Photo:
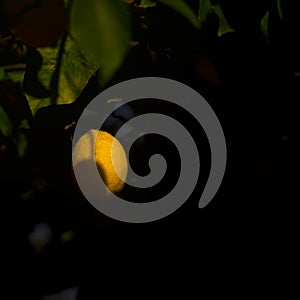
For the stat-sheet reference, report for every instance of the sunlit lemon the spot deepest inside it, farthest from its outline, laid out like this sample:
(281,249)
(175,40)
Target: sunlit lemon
(108,154)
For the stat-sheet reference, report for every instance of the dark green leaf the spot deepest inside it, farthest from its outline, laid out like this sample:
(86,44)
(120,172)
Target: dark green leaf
(24,125)
(67,236)
(102,30)
(264,26)
(2,74)
(184,9)
(224,26)
(279,7)
(21,142)
(205,8)
(5,123)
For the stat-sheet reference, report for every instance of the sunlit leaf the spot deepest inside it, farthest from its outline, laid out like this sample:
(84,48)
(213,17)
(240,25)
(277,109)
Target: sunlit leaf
(102,30)
(5,123)
(16,76)
(184,9)
(75,71)
(74,74)
(38,25)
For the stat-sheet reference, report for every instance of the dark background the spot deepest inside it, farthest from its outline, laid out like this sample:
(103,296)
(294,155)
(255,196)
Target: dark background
(252,87)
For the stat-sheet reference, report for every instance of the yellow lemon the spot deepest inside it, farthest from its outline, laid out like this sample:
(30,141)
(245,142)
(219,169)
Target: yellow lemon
(108,154)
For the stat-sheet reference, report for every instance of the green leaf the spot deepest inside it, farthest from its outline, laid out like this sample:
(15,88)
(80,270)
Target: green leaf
(224,26)
(24,125)
(147,3)
(102,30)
(75,71)
(74,74)
(21,142)
(205,8)
(2,74)
(16,76)
(67,236)
(184,9)
(264,26)
(279,8)
(6,125)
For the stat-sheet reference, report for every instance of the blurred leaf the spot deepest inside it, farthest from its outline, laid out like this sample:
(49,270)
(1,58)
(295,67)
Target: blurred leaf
(184,9)
(26,196)
(264,26)
(102,30)
(205,8)
(67,236)
(5,123)
(16,76)
(147,3)
(224,26)
(2,74)
(21,142)
(24,125)
(279,7)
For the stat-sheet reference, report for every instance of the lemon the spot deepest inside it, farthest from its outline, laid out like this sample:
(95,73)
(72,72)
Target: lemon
(108,154)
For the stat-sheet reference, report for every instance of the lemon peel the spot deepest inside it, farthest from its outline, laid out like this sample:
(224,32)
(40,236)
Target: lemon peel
(108,154)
